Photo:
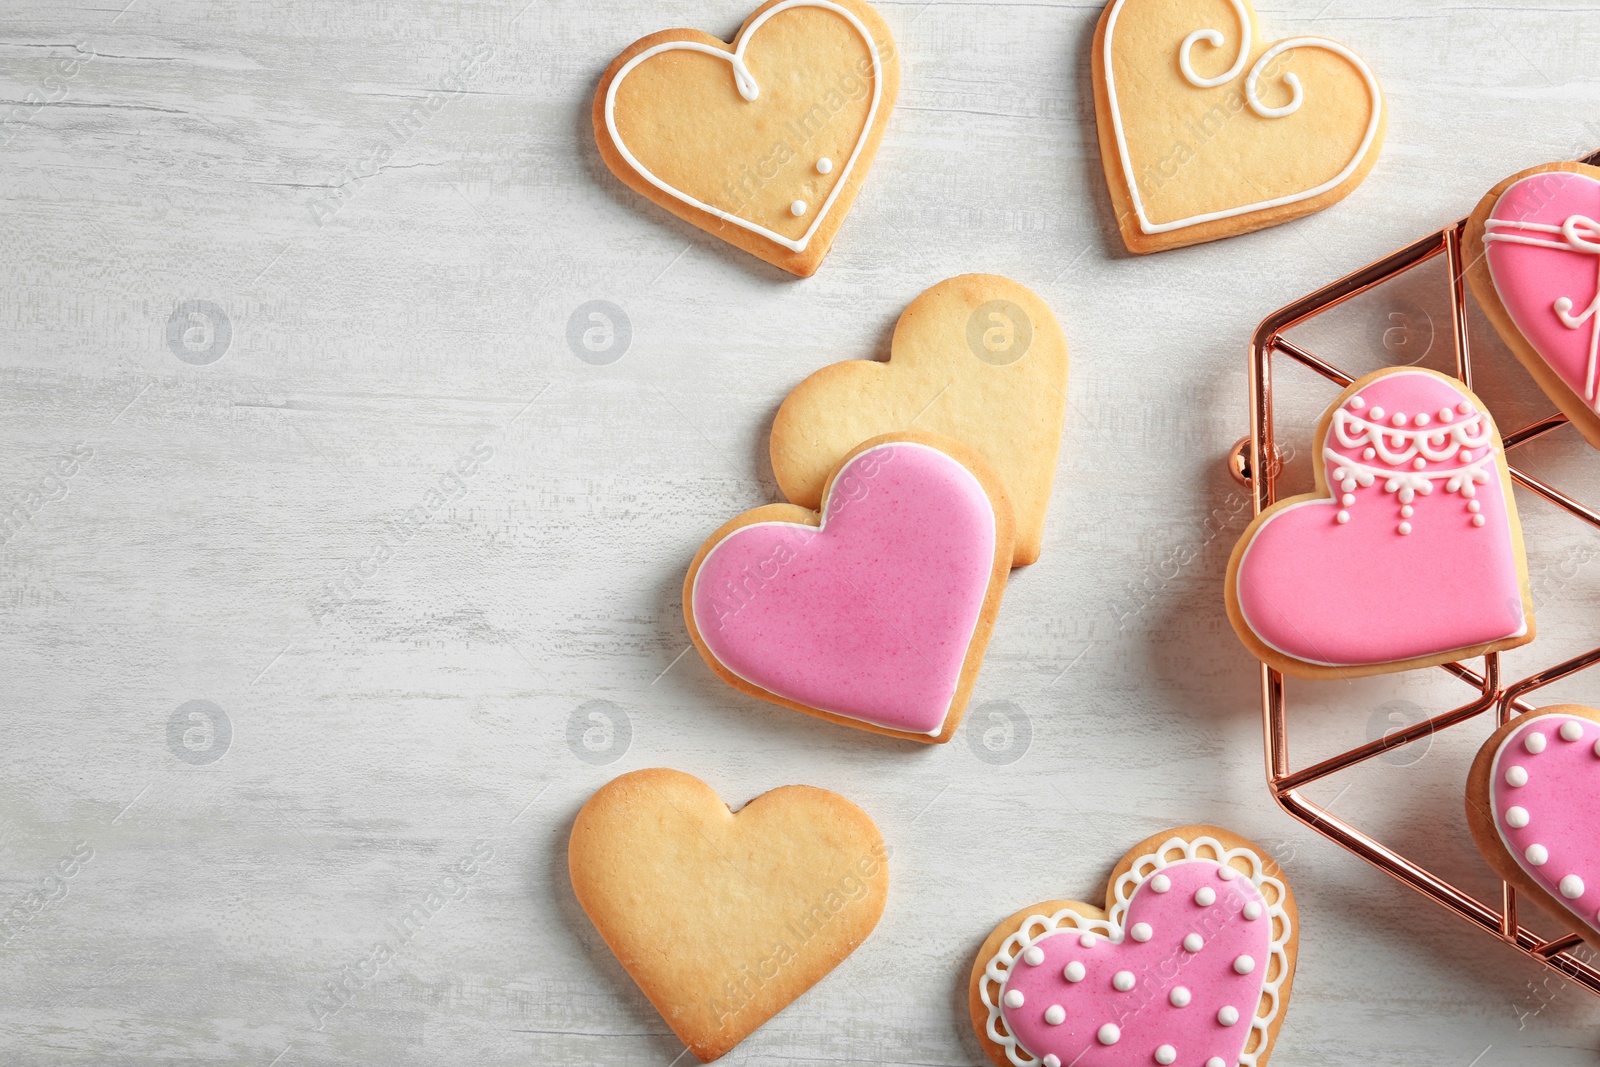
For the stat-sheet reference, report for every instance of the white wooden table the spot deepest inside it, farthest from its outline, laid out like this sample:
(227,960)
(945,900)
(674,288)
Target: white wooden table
(334,471)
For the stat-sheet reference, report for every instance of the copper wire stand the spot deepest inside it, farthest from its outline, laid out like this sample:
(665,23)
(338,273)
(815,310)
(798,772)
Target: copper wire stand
(1259,452)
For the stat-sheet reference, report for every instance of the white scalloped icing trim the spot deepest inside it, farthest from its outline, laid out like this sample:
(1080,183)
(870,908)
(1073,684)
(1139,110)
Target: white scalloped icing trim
(1036,928)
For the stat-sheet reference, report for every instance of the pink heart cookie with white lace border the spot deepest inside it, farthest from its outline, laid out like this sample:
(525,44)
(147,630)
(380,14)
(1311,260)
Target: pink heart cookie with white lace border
(1534,249)
(874,612)
(1533,802)
(1409,553)
(1190,962)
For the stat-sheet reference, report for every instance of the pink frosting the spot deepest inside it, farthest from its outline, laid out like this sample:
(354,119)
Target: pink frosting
(1558,805)
(871,615)
(1557,266)
(1148,1016)
(1382,585)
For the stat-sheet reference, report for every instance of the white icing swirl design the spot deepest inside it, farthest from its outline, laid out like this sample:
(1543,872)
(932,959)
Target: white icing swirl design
(1297,97)
(1577,233)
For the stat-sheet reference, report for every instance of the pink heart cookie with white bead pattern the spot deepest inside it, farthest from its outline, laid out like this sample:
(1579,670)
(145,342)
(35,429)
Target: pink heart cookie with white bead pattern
(1190,962)
(1409,553)
(1533,802)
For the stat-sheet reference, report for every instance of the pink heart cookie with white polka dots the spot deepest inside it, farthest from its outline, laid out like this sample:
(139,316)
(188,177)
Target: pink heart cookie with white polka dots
(1190,962)
(1533,802)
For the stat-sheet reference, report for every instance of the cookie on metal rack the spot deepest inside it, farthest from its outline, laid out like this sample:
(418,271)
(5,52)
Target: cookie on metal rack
(1191,961)
(765,142)
(1533,802)
(1533,249)
(725,918)
(1409,552)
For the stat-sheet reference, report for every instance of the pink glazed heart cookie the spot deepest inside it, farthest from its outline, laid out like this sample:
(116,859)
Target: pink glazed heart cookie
(874,612)
(1409,553)
(1534,246)
(1191,962)
(1533,803)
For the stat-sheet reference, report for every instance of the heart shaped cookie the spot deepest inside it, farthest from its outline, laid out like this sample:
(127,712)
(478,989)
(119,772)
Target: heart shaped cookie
(874,613)
(764,142)
(1206,131)
(1534,249)
(1533,802)
(724,919)
(979,358)
(1190,962)
(1408,554)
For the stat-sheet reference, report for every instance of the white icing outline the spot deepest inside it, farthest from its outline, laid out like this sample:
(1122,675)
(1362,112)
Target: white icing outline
(1215,38)
(827,506)
(748,88)
(1332,500)
(1571,241)
(1133,879)
(1496,783)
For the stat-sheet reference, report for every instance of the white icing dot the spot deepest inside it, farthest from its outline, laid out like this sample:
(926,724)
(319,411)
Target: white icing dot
(1228,1015)
(1572,887)
(1342,518)
(1477,520)
(1226,873)
(1377,413)
(1073,972)
(1013,998)
(1051,1060)
(1572,730)
(1537,855)
(1244,965)
(1446,415)
(1141,932)
(1465,456)
(1193,943)
(1464,407)
(1422,420)
(797,208)
(1518,776)
(1516,817)
(1055,1015)
(1216,1061)
(1109,1034)
(1356,403)
(1166,1054)
(1179,997)
(1407,511)
(1404,528)
(1033,955)
(1534,743)
(1419,464)
(1205,896)
(1087,940)
(1474,507)
(1347,499)
(1123,981)
(1160,884)
(1399,419)
(1348,484)
(1252,910)
(824,165)
(1368,453)
(1597,748)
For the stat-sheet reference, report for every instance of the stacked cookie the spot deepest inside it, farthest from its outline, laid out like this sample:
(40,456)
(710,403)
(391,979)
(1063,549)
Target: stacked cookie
(914,486)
